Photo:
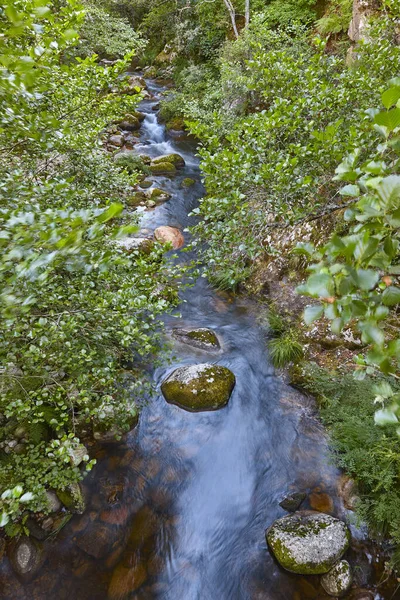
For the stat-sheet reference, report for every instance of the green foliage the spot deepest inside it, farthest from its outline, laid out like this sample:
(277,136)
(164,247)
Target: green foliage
(74,306)
(355,276)
(368,453)
(282,13)
(336,18)
(285,349)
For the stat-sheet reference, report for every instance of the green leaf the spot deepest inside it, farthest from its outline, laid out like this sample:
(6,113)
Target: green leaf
(320,284)
(390,97)
(372,333)
(385,416)
(312,313)
(351,190)
(112,211)
(388,190)
(391,296)
(366,279)
(389,119)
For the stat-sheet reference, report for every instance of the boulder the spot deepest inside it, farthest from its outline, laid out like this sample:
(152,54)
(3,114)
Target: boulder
(26,557)
(144,185)
(159,196)
(162,168)
(98,540)
(139,115)
(72,498)
(338,580)
(129,123)
(125,580)
(53,502)
(308,542)
(292,502)
(136,199)
(202,338)
(169,235)
(188,182)
(116,140)
(175,159)
(200,387)
(140,245)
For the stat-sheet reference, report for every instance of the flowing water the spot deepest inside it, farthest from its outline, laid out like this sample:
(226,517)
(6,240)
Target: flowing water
(178,510)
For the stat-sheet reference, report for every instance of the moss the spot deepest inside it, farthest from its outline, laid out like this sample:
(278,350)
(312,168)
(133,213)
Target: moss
(72,498)
(188,182)
(174,159)
(162,168)
(199,387)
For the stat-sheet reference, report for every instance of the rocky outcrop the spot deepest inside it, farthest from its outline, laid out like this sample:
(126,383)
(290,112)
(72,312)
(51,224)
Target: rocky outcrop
(175,159)
(308,542)
(202,338)
(169,235)
(338,580)
(200,387)
(293,501)
(129,123)
(362,12)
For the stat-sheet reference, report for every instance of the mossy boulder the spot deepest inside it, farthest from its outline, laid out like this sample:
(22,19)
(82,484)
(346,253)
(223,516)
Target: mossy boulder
(202,338)
(159,196)
(72,498)
(308,542)
(188,182)
(338,580)
(129,123)
(136,199)
(176,124)
(162,168)
(174,159)
(200,387)
(26,557)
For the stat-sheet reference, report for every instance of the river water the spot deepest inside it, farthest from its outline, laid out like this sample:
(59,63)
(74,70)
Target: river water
(178,510)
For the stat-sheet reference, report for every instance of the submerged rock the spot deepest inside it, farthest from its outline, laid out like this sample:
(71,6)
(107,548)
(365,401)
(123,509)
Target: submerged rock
(26,557)
(188,182)
(199,387)
(308,542)
(202,338)
(72,498)
(293,501)
(169,235)
(174,159)
(162,168)
(158,195)
(125,580)
(338,580)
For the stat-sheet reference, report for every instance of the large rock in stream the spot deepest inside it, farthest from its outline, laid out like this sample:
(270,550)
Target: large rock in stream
(26,557)
(308,542)
(202,338)
(200,387)
(339,579)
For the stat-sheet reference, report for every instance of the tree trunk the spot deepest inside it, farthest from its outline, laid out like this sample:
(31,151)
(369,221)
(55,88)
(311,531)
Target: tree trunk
(247,12)
(232,14)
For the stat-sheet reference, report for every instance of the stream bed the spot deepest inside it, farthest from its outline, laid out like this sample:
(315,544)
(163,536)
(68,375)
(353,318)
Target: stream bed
(178,509)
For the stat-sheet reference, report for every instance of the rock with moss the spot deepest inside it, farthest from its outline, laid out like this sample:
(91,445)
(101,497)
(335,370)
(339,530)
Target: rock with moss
(175,159)
(129,123)
(26,557)
(72,498)
(176,124)
(158,196)
(308,542)
(338,580)
(136,199)
(188,182)
(162,168)
(202,338)
(201,387)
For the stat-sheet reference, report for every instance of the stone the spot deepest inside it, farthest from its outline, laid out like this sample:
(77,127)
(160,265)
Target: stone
(136,199)
(308,542)
(139,245)
(338,580)
(159,196)
(97,540)
(26,557)
(72,498)
(77,454)
(169,235)
(348,492)
(144,185)
(321,502)
(175,159)
(292,502)
(188,182)
(129,123)
(358,29)
(200,387)
(139,115)
(52,501)
(125,580)
(116,140)
(202,338)
(162,168)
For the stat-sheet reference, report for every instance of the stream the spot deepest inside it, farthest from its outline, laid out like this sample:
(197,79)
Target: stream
(178,509)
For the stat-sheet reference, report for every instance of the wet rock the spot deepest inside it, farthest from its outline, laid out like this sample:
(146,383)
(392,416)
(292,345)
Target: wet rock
(307,542)
(136,199)
(139,115)
(202,338)
(348,492)
(361,594)
(175,159)
(72,498)
(144,185)
(162,168)
(77,454)
(116,140)
(2,548)
(43,527)
(159,196)
(199,387)
(126,580)
(169,235)
(292,502)
(97,540)
(26,557)
(117,515)
(321,502)
(188,182)
(338,580)
(135,85)
(129,123)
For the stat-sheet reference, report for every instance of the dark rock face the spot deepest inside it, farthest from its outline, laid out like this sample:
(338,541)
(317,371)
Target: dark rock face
(200,387)
(308,542)
(26,557)
(292,502)
(202,338)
